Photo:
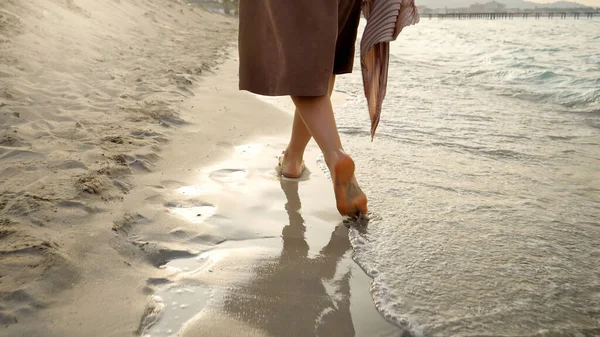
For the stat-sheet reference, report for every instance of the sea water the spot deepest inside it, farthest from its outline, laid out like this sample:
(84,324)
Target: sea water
(483,178)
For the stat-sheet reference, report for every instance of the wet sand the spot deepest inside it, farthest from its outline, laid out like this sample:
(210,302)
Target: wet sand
(132,171)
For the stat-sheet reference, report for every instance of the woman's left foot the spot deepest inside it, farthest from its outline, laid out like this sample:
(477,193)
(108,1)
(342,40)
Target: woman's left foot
(291,167)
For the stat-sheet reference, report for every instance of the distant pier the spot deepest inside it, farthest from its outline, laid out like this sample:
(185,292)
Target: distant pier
(512,15)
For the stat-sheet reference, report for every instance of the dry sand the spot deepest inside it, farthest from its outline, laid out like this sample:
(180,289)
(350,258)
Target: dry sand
(89,92)
(129,176)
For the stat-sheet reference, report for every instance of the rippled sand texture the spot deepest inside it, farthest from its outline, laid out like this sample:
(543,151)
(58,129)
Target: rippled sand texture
(484,179)
(90,91)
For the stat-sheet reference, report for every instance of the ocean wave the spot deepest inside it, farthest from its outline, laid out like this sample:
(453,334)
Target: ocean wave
(476,73)
(524,65)
(548,50)
(536,84)
(581,100)
(546,75)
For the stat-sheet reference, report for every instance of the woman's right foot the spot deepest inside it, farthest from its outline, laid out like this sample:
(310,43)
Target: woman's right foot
(350,199)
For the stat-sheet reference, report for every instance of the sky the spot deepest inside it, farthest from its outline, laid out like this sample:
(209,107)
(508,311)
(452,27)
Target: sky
(585,2)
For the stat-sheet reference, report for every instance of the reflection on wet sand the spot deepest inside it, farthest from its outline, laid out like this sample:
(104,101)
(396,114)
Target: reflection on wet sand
(287,296)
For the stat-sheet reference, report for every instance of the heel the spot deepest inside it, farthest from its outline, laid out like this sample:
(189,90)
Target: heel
(344,170)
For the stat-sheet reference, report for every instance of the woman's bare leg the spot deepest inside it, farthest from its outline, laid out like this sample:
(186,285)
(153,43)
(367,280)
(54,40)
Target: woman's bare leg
(291,165)
(317,114)
(293,156)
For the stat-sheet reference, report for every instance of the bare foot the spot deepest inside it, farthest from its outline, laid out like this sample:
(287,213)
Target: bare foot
(291,167)
(351,200)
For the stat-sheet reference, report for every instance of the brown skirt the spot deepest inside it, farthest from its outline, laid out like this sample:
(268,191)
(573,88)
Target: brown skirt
(292,47)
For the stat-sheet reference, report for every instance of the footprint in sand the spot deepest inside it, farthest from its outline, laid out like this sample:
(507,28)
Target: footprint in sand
(228,175)
(195,214)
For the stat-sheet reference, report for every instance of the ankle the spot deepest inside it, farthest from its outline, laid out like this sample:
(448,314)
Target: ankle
(293,154)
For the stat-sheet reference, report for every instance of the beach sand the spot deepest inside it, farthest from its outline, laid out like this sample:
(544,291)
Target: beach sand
(90,92)
(132,172)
